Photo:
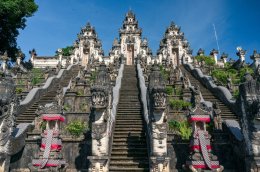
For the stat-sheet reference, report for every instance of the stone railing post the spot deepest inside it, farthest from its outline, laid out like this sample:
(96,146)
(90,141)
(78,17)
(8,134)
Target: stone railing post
(159,160)
(101,101)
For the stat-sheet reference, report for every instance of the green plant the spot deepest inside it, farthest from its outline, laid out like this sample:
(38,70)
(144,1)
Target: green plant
(80,93)
(18,90)
(37,74)
(178,91)
(173,125)
(169,90)
(179,104)
(209,61)
(220,75)
(182,128)
(77,127)
(185,130)
(66,107)
(164,73)
(236,94)
(93,76)
(43,125)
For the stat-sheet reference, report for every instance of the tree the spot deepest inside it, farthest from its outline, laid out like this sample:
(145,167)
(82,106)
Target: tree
(13,14)
(65,51)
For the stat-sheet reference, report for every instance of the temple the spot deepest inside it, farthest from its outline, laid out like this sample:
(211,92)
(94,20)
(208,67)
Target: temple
(131,110)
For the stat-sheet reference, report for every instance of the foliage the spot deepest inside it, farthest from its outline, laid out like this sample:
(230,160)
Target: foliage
(236,76)
(243,71)
(66,107)
(183,128)
(65,51)
(236,94)
(13,14)
(210,127)
(43,125)
(179,104)
(80,93)
(209,61)
(173,125)
(164,73)
(178,91)
(37,74)
(93,76)
(77,127)
(20,82)
(220,75)
(18,90)
(169,90)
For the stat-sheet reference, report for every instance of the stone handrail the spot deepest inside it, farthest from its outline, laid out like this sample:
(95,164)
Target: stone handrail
(219,91)
(116,93)
(143,89)
(36,93)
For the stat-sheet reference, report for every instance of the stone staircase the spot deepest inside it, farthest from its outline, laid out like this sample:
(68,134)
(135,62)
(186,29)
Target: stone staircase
(29,115)
(208,96)
(129,148)
(220,139)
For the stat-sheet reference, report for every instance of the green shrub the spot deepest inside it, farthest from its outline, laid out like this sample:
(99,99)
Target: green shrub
(80,93)
(173,125)
(178,91)
(185,130)
(18,90)
(36,75)
(179,104)
(77,127)
(209,61)
(169,90)
(220,75)
(243,71)
(182,128)
(66,107)
(93,76)
(236,94)
(43,125)
(164,73)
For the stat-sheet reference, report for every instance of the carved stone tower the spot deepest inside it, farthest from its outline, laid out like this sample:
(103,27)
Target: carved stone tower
(130,38)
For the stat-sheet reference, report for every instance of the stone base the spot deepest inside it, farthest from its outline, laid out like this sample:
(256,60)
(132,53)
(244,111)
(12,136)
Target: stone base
(98,163)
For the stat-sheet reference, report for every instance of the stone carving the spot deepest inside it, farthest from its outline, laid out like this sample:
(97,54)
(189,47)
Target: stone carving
(185,81)
(12,139)
(196,95)
(101,100)
(250,107)
(158,116)
(217,116)
(201,157)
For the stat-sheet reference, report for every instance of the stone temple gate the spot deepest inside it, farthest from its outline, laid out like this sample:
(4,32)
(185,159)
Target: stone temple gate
(128,111)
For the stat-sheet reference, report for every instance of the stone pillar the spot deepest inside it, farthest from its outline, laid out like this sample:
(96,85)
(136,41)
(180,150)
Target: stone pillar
(241,53)
(158,121)
(101,100)
(214,54)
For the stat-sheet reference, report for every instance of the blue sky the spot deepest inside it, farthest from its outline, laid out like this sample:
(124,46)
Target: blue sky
(57,22)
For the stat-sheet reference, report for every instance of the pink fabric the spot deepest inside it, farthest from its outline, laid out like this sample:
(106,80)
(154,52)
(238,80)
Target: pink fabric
(192,119)
(53,147)
(197,147)
(205,167)
(53,117)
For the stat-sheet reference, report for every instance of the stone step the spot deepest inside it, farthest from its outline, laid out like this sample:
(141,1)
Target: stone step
(127,153)
(128,162)
(125,169)
(127,129)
